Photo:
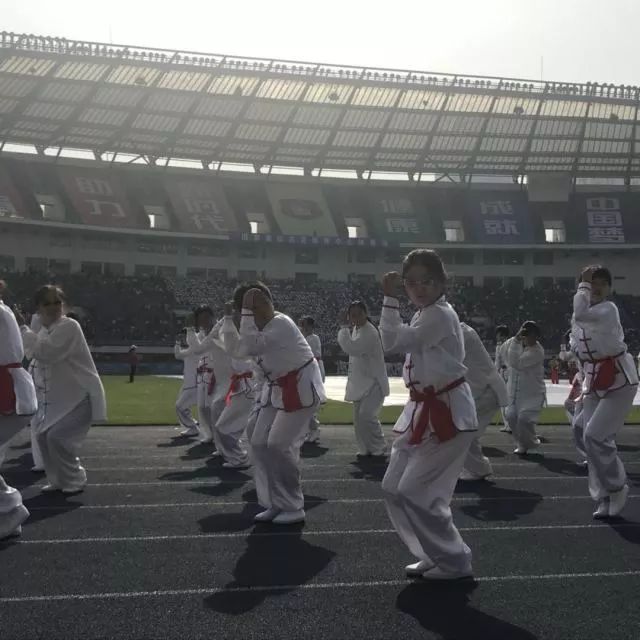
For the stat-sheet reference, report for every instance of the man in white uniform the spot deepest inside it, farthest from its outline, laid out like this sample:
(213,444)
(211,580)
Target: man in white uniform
(188,395)
(609,387)
(367,382)
(502,335)
(17,404)
(527,391)
(489,394)
(307,326)
(290,395)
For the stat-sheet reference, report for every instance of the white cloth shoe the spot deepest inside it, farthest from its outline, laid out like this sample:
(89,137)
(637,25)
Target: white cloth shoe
(266,516)
(436,573)
(232,465)
(189,433)
(602,511)
(289,517)
(312,437)
(12,524)
(519,451)
(505,430)
(50,488)
(418,568)
(36,469)
(617,501)
(470,476)
(205,440)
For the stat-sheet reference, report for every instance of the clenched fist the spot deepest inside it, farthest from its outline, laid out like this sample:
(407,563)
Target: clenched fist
(391,284)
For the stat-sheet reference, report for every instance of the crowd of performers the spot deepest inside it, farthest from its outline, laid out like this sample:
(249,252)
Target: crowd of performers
(257,380)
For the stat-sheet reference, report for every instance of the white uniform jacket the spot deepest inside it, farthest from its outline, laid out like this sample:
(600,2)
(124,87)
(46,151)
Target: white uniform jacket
(363,345)
(525,382)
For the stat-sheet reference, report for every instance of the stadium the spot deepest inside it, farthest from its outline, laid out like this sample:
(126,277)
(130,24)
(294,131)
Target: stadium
(146,182)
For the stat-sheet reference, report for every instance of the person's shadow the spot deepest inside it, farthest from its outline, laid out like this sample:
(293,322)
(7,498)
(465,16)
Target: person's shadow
(312,450)
(626,529)
(497,503)
(271,565)
(445,609)
(370,468)
(561,466)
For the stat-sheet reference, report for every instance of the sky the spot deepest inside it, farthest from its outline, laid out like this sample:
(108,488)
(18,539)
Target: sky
(562,40)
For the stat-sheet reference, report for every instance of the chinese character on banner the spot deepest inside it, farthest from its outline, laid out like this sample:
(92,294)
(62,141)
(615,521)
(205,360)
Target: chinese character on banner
(603,204)
(402,225)
(205,212)
(244,236)
(501,228)
(303,239)
(105,208)
(604,218)
(496,208)
(606,234)
(94,186)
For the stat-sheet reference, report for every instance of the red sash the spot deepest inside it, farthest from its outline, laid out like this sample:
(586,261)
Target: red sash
(212,381)
(435,411)
(289,385)
(606,375)
(576,390)
(235,384)
(7,392)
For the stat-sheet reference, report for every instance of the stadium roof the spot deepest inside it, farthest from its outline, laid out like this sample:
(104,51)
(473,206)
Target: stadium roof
(158,104)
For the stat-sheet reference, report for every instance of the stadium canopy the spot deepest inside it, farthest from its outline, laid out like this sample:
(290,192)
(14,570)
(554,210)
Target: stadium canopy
(154,105)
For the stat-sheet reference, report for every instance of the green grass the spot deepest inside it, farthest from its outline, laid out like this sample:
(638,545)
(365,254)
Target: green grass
(151,400)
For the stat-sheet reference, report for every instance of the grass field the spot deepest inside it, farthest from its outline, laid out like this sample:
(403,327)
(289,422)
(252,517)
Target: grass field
(150,400)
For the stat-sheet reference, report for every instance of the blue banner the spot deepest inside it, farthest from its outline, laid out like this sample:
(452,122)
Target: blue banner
(313,241)
(605,218)
(498,217)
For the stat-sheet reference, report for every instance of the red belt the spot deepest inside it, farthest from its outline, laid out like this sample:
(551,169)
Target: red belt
(7,391)
(212,380)
(434,411)
(289,385)
(235,384)
(606,375)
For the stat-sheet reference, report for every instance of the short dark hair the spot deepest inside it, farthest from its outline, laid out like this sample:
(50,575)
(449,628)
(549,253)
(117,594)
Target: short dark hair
(360,304)
(602,273)
(199,310)
(308,321)
(502,330)
(531,328)
(427,258)
(240,290)
(41,293)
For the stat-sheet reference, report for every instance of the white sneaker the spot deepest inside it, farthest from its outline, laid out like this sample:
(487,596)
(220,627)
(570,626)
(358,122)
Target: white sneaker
(519,450)
(266,516)
(205,440)
(50,488)
(312,437)
(537,442)
(505,430)
(602,511)
(13,522)
(418,568)
(436,573)
(289,517)
(189,433)
(617,501)
(470,477)
(216,454)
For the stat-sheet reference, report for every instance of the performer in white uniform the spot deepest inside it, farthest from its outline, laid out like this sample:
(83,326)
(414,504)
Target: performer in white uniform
(489,393)
(502,335)
(291,394)
(17,404)
(188,395)
(527,391)
(70,393)
(36,454)
(307,325)
(573,402)
(609,387)
(437,425)
(214,370)
(367,383)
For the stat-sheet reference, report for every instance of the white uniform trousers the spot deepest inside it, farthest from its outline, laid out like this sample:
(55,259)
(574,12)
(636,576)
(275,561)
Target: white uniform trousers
(231,425)
(314,425)
(36,454)
(522,423)
(187,398)
(12,512)
(60,444)
(366,421)
(577,427)
(275,448)
(210,408)
(486,406)
(418,487)
(602,419)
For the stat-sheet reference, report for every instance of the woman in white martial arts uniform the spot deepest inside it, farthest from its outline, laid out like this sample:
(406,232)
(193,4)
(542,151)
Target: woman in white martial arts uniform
(17,404)
(291,394)
(36,454)
(367,382)
(436,426)
(307,325)
(70,393)
(489,393)
(214,370)
(502,335)
(609,387)
(527,391)
(188,395)
(573,402)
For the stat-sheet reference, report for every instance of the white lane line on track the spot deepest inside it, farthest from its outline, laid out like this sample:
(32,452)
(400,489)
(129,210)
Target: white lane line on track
(300,587)
(297,532)
(241,503)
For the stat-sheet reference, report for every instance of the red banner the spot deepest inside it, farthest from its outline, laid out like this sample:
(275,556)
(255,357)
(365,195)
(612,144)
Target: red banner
(201,205)
(98,197)
(12,206)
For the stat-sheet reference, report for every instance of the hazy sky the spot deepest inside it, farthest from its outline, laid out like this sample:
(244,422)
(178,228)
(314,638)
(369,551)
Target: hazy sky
(580,40)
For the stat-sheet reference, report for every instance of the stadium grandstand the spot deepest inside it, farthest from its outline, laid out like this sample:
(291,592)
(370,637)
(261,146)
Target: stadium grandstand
(147,181)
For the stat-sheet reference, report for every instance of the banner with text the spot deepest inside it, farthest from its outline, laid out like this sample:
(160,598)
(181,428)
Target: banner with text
(498,217)
(12,206)
(605,218)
